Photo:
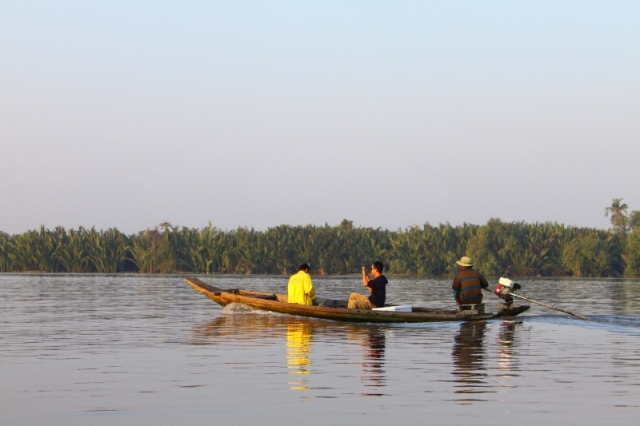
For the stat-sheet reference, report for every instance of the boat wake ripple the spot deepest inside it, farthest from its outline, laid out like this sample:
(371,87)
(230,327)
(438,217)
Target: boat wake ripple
(239,308)
(628,324)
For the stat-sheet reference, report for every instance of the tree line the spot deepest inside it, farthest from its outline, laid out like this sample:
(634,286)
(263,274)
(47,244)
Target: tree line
(498,248)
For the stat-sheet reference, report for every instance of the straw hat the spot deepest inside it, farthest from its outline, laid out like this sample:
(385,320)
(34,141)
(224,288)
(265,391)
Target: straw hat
(464,261)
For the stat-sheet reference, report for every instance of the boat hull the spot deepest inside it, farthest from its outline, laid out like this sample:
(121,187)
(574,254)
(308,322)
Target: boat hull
(278,303)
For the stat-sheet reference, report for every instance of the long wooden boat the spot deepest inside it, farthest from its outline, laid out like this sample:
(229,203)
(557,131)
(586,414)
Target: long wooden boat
(337,310)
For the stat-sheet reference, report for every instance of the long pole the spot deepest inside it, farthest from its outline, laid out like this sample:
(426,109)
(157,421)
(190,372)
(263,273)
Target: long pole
(546,306)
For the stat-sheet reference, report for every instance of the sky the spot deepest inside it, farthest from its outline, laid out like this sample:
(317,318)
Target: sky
(126,114)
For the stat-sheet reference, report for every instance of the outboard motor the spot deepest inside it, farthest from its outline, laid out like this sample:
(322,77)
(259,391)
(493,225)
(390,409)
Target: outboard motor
(504,289)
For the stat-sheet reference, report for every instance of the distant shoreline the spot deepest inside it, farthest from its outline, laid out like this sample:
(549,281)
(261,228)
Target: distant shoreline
(498,248)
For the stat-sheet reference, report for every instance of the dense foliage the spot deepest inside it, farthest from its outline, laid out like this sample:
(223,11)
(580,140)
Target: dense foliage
(498,248)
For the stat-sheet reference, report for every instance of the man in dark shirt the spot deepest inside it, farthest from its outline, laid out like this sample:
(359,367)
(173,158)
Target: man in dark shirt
(376,286)
(468,284)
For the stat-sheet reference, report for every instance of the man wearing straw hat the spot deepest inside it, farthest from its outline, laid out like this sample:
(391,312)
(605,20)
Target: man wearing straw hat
(468,284)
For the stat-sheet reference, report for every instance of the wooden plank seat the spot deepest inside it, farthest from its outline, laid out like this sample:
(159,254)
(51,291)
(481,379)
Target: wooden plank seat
(477,308)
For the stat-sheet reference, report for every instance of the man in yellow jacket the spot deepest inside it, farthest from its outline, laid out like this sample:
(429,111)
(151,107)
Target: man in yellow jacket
(300,287)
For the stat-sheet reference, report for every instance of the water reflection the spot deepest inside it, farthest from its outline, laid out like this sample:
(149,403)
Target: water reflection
(373,348)
(298,347)
(251,329)
(505,343)
(238,327)
(255,328)
(468,357)
(373,343)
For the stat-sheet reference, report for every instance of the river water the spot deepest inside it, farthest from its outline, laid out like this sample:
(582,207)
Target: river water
(150,350)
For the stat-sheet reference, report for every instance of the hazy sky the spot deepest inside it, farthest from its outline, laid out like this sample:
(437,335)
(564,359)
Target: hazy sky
(259,113)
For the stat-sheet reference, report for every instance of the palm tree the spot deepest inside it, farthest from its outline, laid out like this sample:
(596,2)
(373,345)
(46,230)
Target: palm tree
(73,254)
(107,251)
(166,226)
(618,212)
(144,250)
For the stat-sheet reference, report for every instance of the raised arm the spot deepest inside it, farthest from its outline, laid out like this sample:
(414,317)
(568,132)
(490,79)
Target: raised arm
(365,278)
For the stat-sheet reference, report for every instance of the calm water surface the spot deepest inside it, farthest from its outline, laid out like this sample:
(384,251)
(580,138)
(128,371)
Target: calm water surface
(149,350)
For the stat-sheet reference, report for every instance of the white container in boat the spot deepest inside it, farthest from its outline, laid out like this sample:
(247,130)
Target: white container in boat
(401,308)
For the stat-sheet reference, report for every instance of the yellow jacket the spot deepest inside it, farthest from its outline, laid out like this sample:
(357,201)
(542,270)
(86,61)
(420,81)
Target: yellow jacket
(301,289)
